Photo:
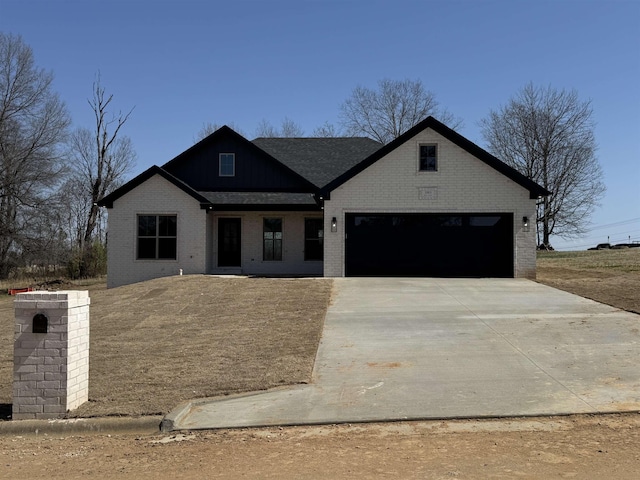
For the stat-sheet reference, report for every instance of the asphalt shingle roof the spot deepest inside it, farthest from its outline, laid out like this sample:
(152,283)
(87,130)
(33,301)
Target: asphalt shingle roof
(326,163)
(319,160)
(259,198)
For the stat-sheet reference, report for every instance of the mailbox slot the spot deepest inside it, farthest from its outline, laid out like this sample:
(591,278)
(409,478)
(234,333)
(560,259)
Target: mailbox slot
(40,323)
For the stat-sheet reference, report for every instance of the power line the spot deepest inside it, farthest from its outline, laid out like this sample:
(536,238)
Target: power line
(613,241)
(593,240)
(615,224)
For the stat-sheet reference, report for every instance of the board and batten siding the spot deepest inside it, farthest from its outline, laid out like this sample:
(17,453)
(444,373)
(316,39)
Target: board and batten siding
(156,196)
(462,184)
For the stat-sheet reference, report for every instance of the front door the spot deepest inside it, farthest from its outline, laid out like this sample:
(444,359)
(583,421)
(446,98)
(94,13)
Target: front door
(229,242)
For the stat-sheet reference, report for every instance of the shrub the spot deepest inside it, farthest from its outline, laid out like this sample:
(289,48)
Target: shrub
(90,262)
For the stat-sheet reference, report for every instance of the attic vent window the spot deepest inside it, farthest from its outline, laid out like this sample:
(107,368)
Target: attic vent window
(428,158)
(227,164)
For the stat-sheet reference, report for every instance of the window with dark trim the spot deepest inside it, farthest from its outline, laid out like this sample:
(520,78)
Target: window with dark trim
(271,239)
(157,236)
(227,164)
(313,238)
(428,158)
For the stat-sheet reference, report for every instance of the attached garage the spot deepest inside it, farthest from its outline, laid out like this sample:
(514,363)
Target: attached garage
(429,244)
(431,203)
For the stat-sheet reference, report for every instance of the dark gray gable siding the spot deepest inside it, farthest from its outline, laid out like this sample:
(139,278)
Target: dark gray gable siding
(255,170)
(319,160)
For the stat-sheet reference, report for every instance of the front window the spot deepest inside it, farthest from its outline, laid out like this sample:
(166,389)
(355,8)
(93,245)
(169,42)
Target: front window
(428,158)
(227,164)
(313,238)
(157,236)
(272,239)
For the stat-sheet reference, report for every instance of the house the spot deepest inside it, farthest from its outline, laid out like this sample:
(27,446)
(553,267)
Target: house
(430,203)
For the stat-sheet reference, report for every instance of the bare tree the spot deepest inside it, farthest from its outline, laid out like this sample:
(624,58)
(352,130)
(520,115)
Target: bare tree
(101,159)
(547,135)
(288,129)
(43,244)
(208,128)
(327,130)
(265,129)
(386,113)
(33,126)
(76,205)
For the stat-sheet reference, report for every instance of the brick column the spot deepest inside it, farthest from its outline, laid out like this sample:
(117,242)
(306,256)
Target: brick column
(51,353)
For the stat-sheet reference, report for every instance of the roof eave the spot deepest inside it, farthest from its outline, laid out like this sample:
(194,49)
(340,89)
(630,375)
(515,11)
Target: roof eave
(264,207)
(143,177)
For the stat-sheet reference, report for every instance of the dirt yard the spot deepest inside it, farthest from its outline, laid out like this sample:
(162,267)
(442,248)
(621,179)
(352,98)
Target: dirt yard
(561,447)
(129,327)
(607,276)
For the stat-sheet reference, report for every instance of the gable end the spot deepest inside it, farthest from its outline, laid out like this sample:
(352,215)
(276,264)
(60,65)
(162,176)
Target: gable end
(254,169)
(143,177)
(535,190)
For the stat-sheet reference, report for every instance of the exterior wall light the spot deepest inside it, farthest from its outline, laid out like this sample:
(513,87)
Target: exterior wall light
(525,224)
(334,224)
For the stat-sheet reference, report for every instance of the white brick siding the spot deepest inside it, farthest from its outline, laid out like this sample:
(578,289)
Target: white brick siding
(50,370)
(197,237)
(160,197)
(462,184)
(293,262)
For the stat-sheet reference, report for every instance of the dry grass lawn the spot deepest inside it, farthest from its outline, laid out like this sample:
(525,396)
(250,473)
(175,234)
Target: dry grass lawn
(607,276)
(158,343)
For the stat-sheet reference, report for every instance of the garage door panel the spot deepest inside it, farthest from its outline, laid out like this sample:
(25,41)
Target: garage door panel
(440,245)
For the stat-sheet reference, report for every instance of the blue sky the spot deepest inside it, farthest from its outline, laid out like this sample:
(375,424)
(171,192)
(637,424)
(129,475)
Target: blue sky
(185,63)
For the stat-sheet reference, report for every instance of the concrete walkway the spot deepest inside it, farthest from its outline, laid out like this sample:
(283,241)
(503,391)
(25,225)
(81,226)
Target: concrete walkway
(397,349)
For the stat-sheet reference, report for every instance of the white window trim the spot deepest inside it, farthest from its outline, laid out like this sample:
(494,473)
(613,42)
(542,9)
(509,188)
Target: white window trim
(233,155)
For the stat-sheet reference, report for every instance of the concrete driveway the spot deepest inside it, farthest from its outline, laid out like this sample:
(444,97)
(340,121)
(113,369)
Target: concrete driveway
(396,349)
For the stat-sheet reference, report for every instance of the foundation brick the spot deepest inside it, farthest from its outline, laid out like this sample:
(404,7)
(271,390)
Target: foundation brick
(32,360)
(25,416)
(47,384)
(51,368)
(30,344)
(58,409)
(27,392)
(54,344)
(30,409)
(24,369)
(54,392)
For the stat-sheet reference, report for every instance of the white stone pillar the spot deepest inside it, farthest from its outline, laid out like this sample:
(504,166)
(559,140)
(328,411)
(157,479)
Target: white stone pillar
(50,354)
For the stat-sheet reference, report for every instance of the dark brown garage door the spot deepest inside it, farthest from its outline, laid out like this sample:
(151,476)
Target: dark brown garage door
(431,245)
